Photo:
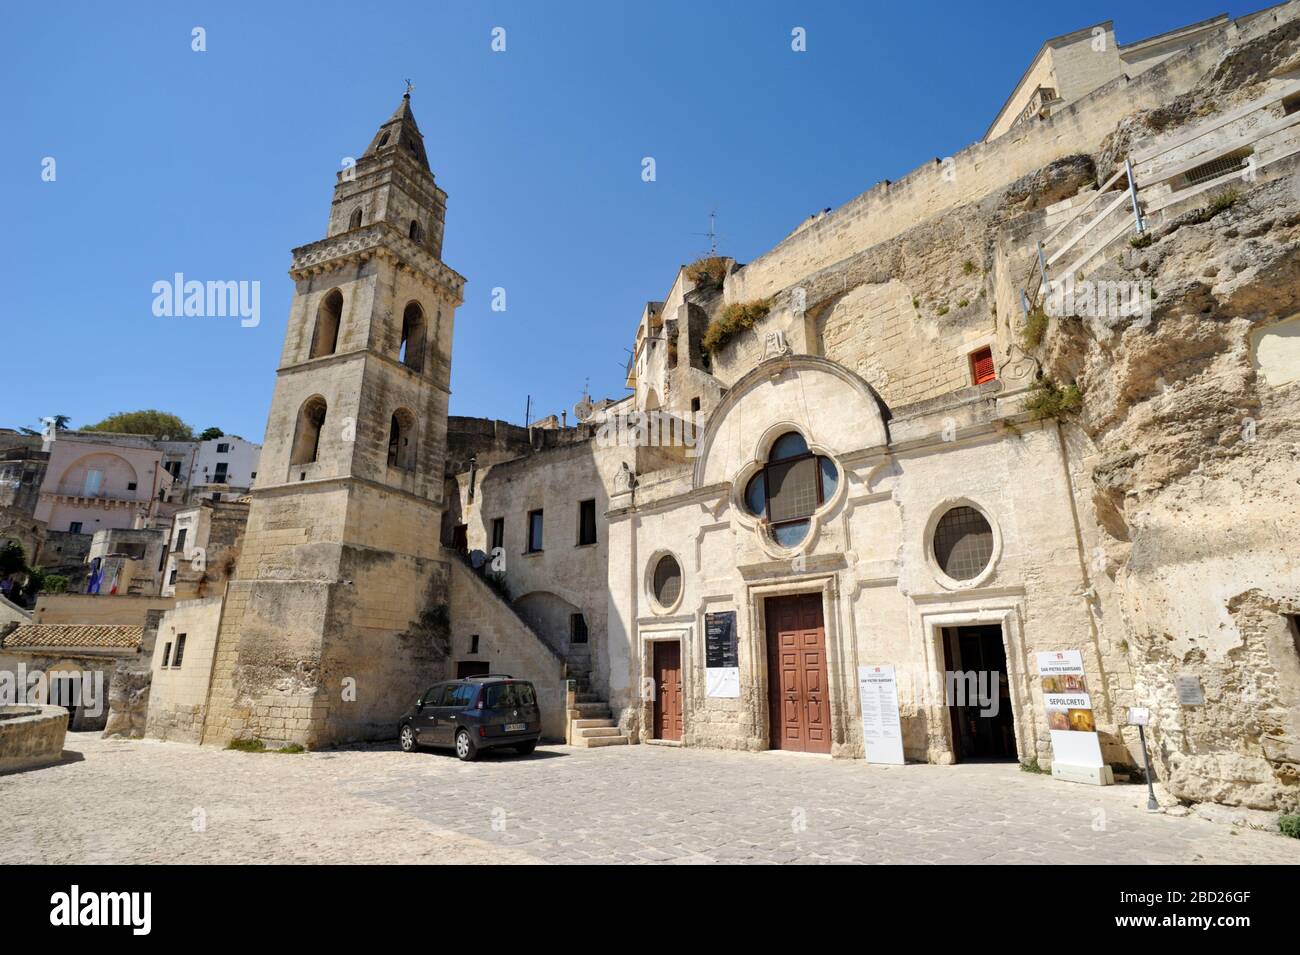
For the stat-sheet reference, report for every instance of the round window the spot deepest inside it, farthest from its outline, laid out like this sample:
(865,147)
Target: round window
(792,484)
(963,543)
(667,583)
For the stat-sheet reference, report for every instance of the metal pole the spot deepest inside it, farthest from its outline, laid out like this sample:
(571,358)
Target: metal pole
(1133,196)
(1042,265)
(1152,804)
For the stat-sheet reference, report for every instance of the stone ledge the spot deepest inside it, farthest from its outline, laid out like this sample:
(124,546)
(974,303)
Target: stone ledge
(31,736)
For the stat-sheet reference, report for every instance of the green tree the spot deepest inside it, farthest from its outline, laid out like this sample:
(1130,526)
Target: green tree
(210,433)
(60,422)
(53,584)
(157,424)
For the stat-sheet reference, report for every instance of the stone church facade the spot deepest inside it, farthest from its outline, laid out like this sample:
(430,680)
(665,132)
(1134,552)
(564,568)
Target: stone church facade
(877,444)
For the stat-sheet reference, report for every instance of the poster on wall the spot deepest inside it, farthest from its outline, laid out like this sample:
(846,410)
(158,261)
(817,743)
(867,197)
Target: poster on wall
(882,731)
(1076,749)
(721,655)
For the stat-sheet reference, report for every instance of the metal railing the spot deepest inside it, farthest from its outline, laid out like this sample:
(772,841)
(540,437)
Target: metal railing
(1118,209)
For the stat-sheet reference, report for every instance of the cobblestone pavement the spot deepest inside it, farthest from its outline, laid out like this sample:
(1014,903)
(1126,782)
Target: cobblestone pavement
(136,801)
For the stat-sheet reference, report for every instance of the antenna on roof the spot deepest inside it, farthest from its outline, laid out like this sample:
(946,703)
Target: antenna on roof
(712,233)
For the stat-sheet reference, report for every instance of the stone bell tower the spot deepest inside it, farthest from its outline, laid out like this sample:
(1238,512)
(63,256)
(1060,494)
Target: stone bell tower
(336,616)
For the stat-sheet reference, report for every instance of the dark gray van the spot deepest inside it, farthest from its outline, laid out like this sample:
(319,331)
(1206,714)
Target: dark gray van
(474,714)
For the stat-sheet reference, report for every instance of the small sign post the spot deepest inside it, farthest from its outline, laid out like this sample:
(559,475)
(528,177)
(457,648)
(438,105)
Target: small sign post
(1140,716)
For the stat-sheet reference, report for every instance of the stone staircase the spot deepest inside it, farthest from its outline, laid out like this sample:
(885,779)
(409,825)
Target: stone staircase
(590,722)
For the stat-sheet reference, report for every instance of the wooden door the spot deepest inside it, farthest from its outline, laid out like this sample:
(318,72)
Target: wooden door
(798,701)
(668,689)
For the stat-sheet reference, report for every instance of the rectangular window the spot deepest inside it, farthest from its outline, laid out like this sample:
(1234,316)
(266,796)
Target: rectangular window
(167,655)
(586,522)
(130,486)
(220,476)
(74,527)
(981,366)
(695,404)
(577,628)
(534,531)
(792,489)
(180,651)
(473,643)
(171,578)
(93,481)
(223,449)
(498,532)
(180,540)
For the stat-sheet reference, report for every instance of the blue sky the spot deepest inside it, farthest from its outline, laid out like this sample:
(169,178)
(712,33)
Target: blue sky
(216,164)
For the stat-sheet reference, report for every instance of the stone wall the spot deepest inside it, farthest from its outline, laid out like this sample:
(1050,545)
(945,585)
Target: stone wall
(31,736)
(177,695)
(506,644)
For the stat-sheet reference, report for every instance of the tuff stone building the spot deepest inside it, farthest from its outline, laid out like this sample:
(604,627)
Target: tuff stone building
(889,443)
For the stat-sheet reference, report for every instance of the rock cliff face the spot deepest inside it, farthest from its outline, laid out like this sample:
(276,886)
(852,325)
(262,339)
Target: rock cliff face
(1194,413)
(128,700)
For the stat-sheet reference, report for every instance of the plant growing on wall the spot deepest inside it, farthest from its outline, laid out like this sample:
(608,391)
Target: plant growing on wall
(1031,335)
(734,318)
(1050,400)
(708,272)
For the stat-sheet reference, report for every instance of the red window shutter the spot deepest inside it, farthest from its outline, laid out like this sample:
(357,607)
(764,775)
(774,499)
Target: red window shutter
(981,366)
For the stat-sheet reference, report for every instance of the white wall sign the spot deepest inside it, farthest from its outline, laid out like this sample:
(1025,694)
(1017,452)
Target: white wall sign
(881,730)
(722,681)
(1139,716)
(721,655)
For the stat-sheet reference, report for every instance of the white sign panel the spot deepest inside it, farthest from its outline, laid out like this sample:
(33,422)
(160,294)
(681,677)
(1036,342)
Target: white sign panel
(881,731)
(1069,709)
(722,681)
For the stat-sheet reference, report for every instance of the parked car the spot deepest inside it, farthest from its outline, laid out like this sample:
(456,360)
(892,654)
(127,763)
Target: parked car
(477,713)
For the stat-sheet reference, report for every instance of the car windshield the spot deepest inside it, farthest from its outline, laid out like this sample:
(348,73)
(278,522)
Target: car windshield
(505,695)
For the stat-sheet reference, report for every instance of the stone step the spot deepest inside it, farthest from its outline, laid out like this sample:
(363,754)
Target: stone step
(582,723)
(587,698)
(591,732)
(605,741)
(598,710)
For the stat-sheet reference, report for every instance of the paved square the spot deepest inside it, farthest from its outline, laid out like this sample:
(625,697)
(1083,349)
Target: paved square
(143,801)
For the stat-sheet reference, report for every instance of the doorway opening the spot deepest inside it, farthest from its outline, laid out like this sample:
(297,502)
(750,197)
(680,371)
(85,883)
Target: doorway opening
(798,702)
(468,668)
(978,694)
(668,690)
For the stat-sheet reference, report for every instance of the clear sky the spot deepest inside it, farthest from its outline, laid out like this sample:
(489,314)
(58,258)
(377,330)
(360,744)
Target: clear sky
(216,164)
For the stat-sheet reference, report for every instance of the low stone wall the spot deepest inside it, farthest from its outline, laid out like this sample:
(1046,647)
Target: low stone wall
(31,736)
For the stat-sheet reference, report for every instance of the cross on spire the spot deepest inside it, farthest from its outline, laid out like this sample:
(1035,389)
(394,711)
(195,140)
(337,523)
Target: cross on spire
(409,86)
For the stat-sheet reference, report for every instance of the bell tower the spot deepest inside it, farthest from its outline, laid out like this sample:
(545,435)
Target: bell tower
(336,616)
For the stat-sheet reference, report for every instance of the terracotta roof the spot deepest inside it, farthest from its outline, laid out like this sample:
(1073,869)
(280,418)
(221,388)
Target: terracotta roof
(66,635)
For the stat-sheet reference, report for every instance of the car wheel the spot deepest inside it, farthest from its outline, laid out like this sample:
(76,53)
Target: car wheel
(465,748)
(523,749)
(406,739)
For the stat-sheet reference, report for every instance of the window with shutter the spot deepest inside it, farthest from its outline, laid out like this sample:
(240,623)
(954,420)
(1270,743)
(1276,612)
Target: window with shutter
(981,366)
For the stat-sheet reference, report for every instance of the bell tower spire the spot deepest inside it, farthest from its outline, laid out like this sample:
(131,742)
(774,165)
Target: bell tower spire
(391,181)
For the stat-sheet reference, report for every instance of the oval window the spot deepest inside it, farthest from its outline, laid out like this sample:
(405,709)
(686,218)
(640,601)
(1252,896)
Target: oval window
(963,543)
(667,583)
